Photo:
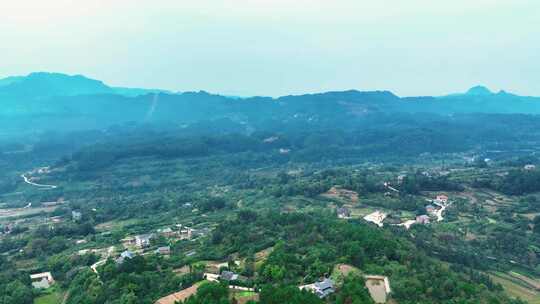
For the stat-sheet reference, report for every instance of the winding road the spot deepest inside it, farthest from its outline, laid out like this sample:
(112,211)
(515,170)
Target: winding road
(42,186)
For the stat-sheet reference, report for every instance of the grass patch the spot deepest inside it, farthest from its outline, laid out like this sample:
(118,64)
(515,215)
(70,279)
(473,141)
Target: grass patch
(52,298)
(243,294)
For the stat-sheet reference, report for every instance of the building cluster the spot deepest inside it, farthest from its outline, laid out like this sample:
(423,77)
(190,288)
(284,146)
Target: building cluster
(182,232)
(378,287)
(432,210)
(140,241)
(178,232)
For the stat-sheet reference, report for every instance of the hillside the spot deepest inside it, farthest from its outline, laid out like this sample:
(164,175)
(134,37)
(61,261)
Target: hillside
(58,102)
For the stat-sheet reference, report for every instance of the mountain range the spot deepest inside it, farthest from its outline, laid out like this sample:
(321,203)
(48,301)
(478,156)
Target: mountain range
(54,101)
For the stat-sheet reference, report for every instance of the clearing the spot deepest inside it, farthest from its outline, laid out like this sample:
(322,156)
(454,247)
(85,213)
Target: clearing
(52,298)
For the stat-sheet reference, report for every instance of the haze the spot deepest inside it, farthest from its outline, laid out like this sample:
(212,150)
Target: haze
(249,47)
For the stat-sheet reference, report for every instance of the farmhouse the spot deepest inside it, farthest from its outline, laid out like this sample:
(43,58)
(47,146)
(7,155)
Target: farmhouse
(42,280)
(228,276)
(143,240)
(322,289)
(125,255)
(185,232)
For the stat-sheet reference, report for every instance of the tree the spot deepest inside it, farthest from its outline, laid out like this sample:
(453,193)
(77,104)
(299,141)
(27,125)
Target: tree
(287,294)
(19,293)
(210,293)
(353,291)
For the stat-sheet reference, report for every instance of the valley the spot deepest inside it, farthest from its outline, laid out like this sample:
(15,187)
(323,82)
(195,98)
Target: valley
(443,211)
(326,198)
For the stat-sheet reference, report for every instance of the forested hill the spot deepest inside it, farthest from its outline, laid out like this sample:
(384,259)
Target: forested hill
(47,101)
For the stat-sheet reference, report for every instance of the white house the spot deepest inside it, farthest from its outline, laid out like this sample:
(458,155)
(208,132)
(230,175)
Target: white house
(42,280)
(143,240)
(529,167)
(125,255)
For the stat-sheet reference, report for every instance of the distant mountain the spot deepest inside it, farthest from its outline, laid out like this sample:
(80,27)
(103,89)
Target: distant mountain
(53,84)
(479,91)
(43,85)
(10,80)
(51,101)
(480,99)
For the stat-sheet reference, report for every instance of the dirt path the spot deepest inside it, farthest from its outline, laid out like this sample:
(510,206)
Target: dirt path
(180,296)
(66,296)
(439,213)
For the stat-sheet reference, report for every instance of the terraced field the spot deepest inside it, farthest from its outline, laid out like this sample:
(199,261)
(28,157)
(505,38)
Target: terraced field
(518,286)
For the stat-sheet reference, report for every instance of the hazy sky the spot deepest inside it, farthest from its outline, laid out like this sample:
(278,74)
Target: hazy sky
(277,47)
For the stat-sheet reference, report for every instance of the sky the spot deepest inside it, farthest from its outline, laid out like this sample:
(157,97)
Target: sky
(279,47)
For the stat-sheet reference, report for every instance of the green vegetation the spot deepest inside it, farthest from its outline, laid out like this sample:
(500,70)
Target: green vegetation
(52,298)
(258,195)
